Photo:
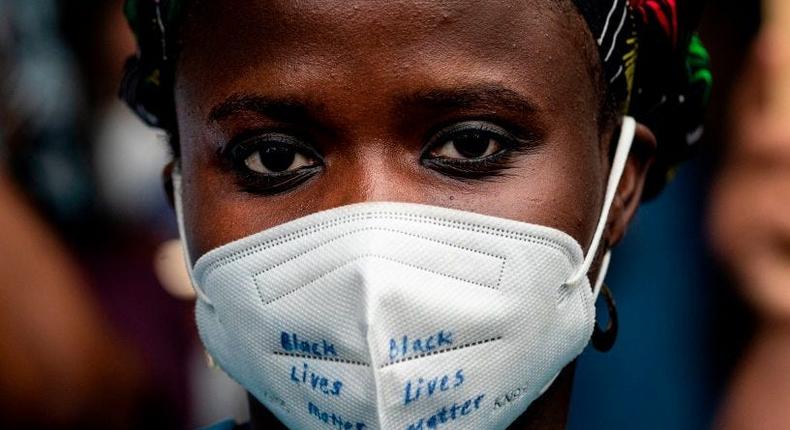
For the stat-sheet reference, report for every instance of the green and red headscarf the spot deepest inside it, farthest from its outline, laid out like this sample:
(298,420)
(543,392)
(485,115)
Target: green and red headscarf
(655,67)
(657,70)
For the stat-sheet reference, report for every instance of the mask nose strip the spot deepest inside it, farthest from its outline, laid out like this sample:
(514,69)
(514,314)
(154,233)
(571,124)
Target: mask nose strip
(624,145)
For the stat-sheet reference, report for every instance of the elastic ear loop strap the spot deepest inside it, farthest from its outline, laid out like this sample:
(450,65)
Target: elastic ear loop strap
(624,145)
(182,233)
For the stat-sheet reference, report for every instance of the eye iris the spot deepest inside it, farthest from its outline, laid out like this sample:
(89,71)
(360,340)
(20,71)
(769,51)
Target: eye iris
(277,159)
(471,145)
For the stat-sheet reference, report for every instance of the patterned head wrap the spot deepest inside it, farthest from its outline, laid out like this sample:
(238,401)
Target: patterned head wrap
(657,70)
(654,66)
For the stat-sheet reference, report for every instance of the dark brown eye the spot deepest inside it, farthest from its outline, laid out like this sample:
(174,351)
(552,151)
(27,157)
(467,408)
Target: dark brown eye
(468,145)
(276,159)
(474,150)
(271,163)
(469,141)
(274,154)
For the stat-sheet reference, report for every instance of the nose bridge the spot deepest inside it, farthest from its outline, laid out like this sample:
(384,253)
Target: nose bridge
(380,171)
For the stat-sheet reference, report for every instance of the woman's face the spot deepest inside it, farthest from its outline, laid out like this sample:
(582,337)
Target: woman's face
(286,108)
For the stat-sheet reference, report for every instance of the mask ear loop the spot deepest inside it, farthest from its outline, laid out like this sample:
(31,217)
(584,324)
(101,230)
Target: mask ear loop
(624,144)
(176,175)
(602,274)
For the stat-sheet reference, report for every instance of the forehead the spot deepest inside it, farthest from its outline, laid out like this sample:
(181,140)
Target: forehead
(401,19)
(276,45)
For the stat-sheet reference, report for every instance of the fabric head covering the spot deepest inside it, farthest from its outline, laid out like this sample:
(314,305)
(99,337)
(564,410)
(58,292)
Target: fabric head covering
(657,70)
(654,66)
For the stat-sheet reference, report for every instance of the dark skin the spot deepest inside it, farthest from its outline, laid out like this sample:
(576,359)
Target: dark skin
(487,107)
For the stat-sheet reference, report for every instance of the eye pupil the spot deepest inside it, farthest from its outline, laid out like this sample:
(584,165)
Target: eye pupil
(471,145)
(277,158)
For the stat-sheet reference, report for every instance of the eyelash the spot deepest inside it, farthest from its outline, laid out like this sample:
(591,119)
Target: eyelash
(494,165)
(239,149)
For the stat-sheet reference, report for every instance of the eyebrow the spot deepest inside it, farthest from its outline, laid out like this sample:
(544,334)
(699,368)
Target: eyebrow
(486,95)
(287,109)
(300,110)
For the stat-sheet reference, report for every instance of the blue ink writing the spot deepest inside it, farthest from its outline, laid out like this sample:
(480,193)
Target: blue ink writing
(332,419)
(306,376)
(447,415)
(406,347)
(291,343)
(425,388)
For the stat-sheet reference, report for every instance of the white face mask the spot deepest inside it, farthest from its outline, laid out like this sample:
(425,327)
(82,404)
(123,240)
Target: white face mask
(399,316)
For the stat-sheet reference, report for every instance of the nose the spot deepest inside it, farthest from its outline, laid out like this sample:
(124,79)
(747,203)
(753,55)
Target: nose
(383,175)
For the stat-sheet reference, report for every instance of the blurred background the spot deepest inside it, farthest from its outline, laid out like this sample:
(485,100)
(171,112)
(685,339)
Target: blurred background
(96,324)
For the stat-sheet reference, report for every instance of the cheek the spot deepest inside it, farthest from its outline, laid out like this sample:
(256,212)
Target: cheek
(214,212)
(561,187)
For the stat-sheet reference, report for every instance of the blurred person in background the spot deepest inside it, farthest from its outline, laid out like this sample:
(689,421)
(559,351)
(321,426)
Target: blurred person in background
(89,338)
(750,225)
(682,327)
(130,217)
(138,227)
(62,364)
